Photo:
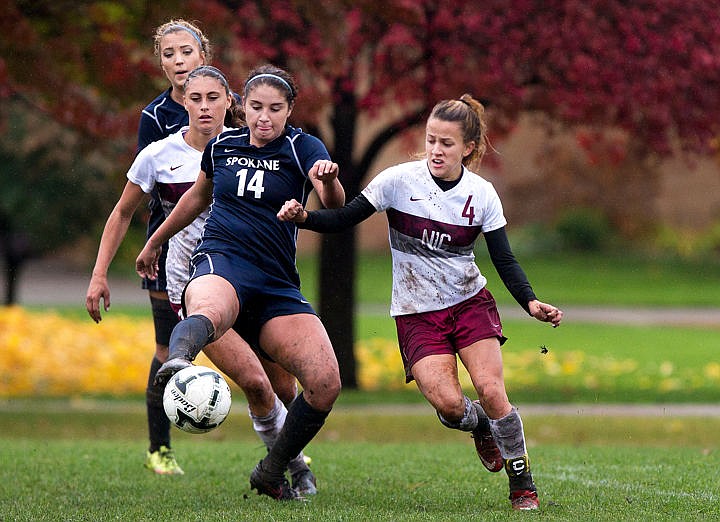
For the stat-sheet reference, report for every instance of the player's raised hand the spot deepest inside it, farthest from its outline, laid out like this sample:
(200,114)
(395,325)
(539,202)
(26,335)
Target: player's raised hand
(146,264)
(324,170)
(292,211)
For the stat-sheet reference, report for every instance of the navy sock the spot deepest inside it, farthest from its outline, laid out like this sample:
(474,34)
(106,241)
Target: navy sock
(158,423)
(302,423)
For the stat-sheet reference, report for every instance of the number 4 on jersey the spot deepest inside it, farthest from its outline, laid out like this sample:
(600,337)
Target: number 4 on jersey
(255,185)
(469,211)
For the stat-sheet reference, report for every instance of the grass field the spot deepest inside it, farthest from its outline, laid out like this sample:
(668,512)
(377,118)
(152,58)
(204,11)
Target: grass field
(83,462)
(383,455)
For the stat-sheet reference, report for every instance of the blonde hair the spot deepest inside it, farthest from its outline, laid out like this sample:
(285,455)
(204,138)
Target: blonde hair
(470,114)
(174,26)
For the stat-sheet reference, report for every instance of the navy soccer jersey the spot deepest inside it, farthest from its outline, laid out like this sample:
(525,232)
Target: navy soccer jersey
(162,117)
(250,184)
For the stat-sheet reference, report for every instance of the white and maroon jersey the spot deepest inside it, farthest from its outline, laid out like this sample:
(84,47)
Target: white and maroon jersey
(432,234)
(172,166)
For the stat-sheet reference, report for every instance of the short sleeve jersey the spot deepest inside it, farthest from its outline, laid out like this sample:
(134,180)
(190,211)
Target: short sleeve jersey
(432,234)
(170,167)
(250,184)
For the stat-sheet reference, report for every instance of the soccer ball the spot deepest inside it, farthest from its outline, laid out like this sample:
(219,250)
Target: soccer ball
(197,399)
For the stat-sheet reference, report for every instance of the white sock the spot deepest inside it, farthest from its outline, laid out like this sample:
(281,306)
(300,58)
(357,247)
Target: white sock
(469,419)
(269,426)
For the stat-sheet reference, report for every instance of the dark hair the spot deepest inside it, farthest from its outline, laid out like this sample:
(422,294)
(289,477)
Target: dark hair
(234,115)
(469,113)
(174,26)
(273,76)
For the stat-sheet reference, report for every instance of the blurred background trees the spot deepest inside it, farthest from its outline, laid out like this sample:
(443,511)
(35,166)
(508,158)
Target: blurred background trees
(615,87)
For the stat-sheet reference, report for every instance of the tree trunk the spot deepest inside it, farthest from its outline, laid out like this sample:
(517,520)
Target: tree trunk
(337,299)
(338,251)
(12,272)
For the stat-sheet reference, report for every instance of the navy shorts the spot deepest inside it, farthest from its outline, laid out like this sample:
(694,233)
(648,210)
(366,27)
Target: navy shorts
(448,330)
(262,296)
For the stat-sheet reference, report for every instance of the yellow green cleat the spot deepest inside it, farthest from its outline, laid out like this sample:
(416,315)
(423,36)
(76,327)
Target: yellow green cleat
(163,462)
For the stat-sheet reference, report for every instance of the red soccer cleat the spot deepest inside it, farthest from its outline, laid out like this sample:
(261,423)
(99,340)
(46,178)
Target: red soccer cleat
(488,451)
(524,500)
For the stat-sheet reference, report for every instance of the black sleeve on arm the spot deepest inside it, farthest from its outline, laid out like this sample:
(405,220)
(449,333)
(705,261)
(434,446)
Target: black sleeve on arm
(508,268)
(338,219)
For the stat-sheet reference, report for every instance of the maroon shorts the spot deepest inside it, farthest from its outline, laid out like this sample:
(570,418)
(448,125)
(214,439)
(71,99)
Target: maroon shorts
(178,310)
(448,330)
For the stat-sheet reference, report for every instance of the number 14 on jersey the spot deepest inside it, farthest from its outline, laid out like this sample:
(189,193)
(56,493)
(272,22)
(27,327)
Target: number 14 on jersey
(255,185)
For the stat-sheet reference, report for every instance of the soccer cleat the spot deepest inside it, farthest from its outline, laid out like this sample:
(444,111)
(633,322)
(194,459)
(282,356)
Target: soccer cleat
(488,452)
(487,449)
(524,500)
(170,368)
(485,445)
(277,488)
(163,462)
(304,482)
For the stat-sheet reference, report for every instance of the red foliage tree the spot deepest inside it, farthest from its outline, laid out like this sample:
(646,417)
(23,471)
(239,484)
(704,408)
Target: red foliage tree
(648,68)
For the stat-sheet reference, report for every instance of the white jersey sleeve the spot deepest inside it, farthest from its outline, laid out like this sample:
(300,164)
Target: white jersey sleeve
(143,171)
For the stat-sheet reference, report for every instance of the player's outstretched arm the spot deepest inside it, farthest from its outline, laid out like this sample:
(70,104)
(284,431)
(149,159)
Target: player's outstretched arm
(292,211)
(327,219)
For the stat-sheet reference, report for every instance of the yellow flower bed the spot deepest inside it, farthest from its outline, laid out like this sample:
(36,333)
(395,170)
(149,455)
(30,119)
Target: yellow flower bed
(45,354)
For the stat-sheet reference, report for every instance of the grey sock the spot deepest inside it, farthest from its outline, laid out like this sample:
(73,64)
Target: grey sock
(509,435)
(469,419)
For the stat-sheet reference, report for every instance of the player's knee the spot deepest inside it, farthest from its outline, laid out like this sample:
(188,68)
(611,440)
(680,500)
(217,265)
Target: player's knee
(494,400)
(321,393)
(255,385)
(451,409)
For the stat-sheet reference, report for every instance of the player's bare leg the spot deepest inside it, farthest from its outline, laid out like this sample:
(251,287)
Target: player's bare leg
(483,361)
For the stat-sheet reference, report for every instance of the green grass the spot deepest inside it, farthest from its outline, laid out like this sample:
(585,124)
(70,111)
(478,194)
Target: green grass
(567,279)
(384,456)
(84,463)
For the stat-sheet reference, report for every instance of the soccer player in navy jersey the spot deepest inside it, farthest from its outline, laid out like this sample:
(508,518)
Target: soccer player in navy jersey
(169,167)
(180,46)
(244,268)
(436,209)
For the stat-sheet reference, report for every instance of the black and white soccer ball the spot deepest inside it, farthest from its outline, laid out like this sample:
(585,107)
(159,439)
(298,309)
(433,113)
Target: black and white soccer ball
(197,399)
